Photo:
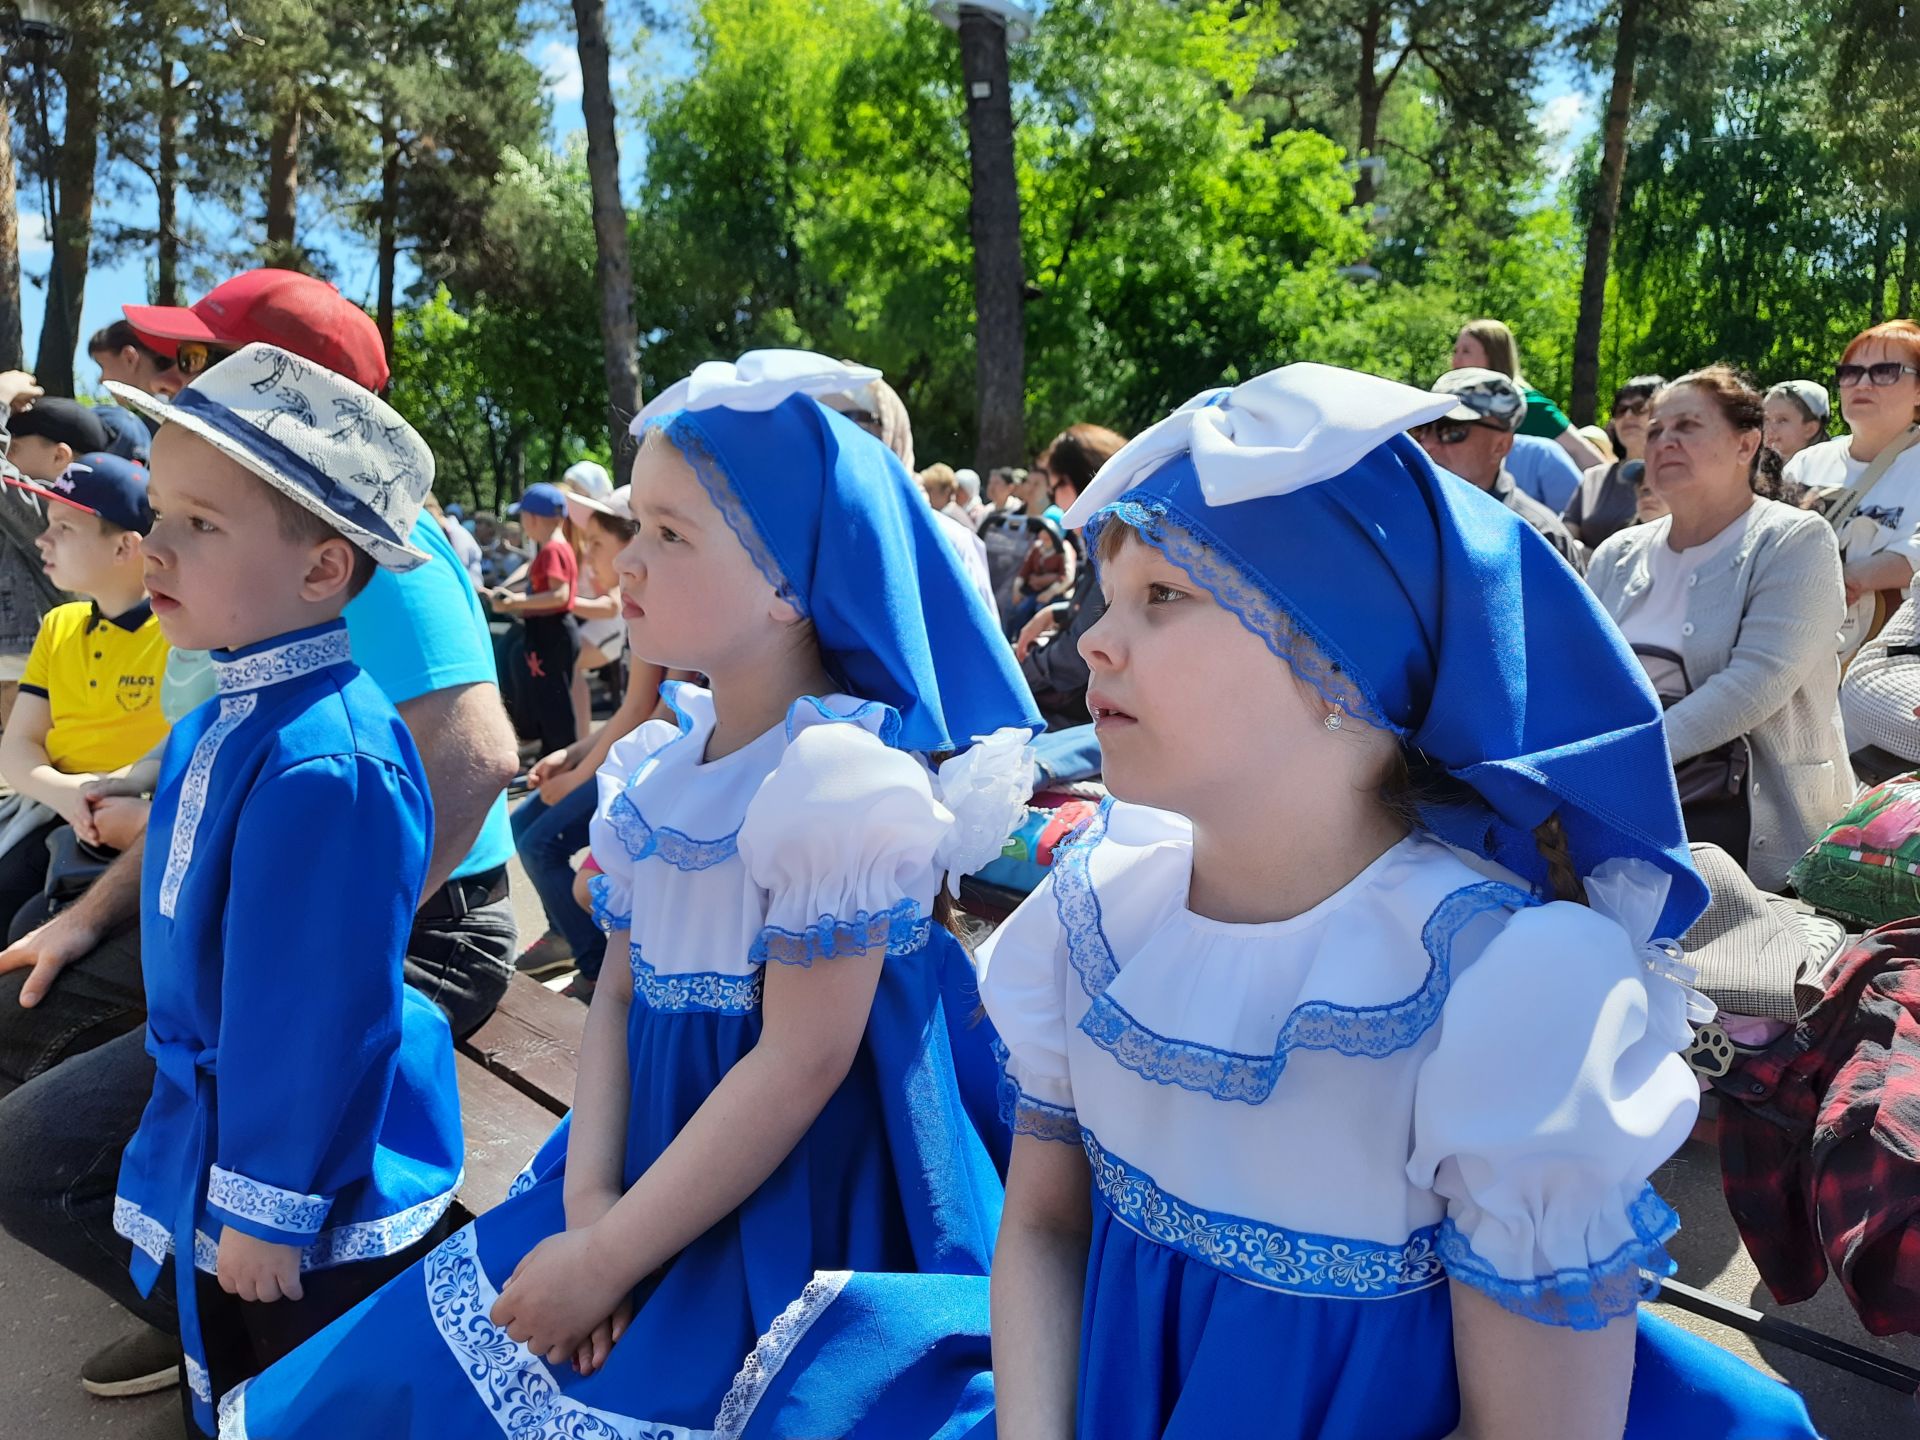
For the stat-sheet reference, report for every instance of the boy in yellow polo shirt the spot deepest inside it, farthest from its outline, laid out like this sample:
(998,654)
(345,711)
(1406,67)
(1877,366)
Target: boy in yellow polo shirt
(90,699)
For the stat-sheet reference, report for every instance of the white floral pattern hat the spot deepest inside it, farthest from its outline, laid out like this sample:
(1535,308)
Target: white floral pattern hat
(326,443)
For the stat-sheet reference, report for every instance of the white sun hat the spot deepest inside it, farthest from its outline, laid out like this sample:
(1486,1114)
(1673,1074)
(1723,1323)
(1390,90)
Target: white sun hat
(329,445)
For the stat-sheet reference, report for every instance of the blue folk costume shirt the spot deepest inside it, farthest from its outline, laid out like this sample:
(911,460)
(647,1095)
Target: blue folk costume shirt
(304,1094)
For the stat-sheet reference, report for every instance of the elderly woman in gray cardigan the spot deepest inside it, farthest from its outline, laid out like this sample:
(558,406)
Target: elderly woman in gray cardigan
(1747,591)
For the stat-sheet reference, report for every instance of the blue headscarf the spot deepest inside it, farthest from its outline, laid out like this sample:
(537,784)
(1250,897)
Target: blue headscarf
(1427,607)
(836,524)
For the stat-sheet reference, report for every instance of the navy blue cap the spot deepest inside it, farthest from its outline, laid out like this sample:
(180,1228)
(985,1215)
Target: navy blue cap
(548,500)
(104,485)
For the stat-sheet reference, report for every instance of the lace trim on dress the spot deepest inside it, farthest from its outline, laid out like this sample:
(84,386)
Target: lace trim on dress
(1291,637)
(901,929)
(888,718)
(516,1387)
(708,990)
(770,1353)
(600,887)
(1022,1113)
(1273,1257)
(1582,1298)
(1360,1031)
(679,849)
(718,483)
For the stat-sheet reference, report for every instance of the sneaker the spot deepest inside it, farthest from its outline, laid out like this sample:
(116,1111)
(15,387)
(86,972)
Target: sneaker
(136,1364)
(545,956)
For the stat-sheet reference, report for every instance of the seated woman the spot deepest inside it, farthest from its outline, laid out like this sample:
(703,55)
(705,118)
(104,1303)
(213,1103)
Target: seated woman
(1880,698)
(1746,592)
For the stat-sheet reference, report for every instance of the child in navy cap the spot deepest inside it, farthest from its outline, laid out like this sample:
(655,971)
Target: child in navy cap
(89,698)
(545,683)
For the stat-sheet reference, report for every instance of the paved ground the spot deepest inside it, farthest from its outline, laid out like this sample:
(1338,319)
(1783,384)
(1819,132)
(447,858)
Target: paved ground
(48,1323)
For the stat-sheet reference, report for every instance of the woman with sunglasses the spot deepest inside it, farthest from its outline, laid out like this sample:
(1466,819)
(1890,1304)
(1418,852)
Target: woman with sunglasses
(1607,499)
(1879,383)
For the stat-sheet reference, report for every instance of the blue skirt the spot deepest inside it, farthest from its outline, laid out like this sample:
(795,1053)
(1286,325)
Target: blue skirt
(900,1174)
(1171,1347)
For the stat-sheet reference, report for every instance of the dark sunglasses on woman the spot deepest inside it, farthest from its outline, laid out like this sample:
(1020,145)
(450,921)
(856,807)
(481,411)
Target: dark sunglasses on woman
(1881,375)
(195,356)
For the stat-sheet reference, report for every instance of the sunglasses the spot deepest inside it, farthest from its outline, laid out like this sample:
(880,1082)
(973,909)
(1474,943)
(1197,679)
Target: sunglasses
(1887,372)
(1623,408)
(195,356)
(1448,432)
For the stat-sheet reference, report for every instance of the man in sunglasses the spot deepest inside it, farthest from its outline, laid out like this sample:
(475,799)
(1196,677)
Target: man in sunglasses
(1474,439)
(278,307)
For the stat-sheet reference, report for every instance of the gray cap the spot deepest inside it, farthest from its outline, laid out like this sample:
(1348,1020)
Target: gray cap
(1809,393)
(1483,395)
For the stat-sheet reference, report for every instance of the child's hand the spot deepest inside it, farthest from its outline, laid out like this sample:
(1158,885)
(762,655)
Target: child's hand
(593,1352)
(258,1269)
(559,1296)
(117,821)
(546,767)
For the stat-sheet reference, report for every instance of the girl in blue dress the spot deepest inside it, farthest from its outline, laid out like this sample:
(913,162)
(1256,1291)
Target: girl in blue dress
(786,1087)
(1344,1040)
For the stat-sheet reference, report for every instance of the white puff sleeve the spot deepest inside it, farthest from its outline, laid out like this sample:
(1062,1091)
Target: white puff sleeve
(612,888)
(841,837)
(1022,975)
(1553,1093)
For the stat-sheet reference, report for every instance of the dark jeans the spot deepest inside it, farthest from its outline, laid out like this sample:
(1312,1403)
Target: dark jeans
(552,650)
(75,1076)
(23,869)
(548,837)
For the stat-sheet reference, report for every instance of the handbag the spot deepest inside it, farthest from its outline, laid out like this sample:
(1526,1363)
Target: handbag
(1715,785)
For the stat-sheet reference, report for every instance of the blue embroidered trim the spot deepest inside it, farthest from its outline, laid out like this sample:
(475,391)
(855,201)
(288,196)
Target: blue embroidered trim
(268,1206)
(600,887)
(901,929)
(890,722)
(694,990)
(1290,636)
(680,850)
(1271,1256)
(1022,1114)
(1577,1299)
(1369,1031)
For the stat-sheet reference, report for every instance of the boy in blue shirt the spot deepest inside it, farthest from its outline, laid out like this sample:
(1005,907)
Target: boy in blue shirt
(302,1143)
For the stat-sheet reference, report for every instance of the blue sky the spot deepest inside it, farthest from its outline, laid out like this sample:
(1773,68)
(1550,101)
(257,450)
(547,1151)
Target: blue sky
(1565,113)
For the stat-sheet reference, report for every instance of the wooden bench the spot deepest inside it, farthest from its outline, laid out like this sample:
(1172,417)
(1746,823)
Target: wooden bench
(516,1076)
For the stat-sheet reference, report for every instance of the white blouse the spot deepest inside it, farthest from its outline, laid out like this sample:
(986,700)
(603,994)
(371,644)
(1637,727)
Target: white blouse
(816,839)
(1428,1073)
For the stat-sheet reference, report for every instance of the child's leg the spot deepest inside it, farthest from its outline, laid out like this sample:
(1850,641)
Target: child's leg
(552,651)
(23,870)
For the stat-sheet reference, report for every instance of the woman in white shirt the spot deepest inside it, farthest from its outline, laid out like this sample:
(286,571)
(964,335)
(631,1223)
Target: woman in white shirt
(1879,382)
(1747,592)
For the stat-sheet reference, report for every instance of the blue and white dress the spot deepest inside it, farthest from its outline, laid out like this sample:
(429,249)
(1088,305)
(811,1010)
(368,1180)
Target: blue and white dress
(812,841)
(1298,1132)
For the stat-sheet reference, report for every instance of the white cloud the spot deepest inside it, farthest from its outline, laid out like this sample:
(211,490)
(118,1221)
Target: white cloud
(1565,122)
(560,63)
(34,241)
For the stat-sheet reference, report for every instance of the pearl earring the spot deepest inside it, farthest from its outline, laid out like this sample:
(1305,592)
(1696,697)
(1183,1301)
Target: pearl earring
(1333,720)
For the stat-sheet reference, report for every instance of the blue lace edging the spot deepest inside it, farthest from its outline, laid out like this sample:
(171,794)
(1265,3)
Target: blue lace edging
(901,929)
(1587,1298)
(707,990)
(890,721)
(691,441)
(1295,641)
(1271,1256)
(1022,1114)
(682,851)
(1360,1031)
(599,887)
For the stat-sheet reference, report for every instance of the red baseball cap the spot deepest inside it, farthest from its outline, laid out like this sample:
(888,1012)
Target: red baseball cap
(280,307)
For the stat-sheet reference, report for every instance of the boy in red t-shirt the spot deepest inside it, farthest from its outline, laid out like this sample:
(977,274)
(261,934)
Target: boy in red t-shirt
(552,642)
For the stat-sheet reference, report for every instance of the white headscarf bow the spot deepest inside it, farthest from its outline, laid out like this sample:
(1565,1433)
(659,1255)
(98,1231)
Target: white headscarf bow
(758,380)
(1277,433)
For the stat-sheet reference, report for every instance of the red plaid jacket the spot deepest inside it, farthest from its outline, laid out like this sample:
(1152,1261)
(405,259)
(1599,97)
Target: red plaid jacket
(1820,1139)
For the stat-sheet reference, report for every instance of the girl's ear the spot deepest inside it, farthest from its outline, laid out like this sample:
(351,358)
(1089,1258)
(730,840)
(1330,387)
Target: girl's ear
(783,611)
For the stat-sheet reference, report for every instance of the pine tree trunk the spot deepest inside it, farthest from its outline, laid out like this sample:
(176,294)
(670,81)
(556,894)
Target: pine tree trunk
(167,230)
(1606,212)
(1909,266)
(12,357)
(1882,244)
(1369,97)
(613,265)
(283,180)
(72,221)
(389,230)
(999,274)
